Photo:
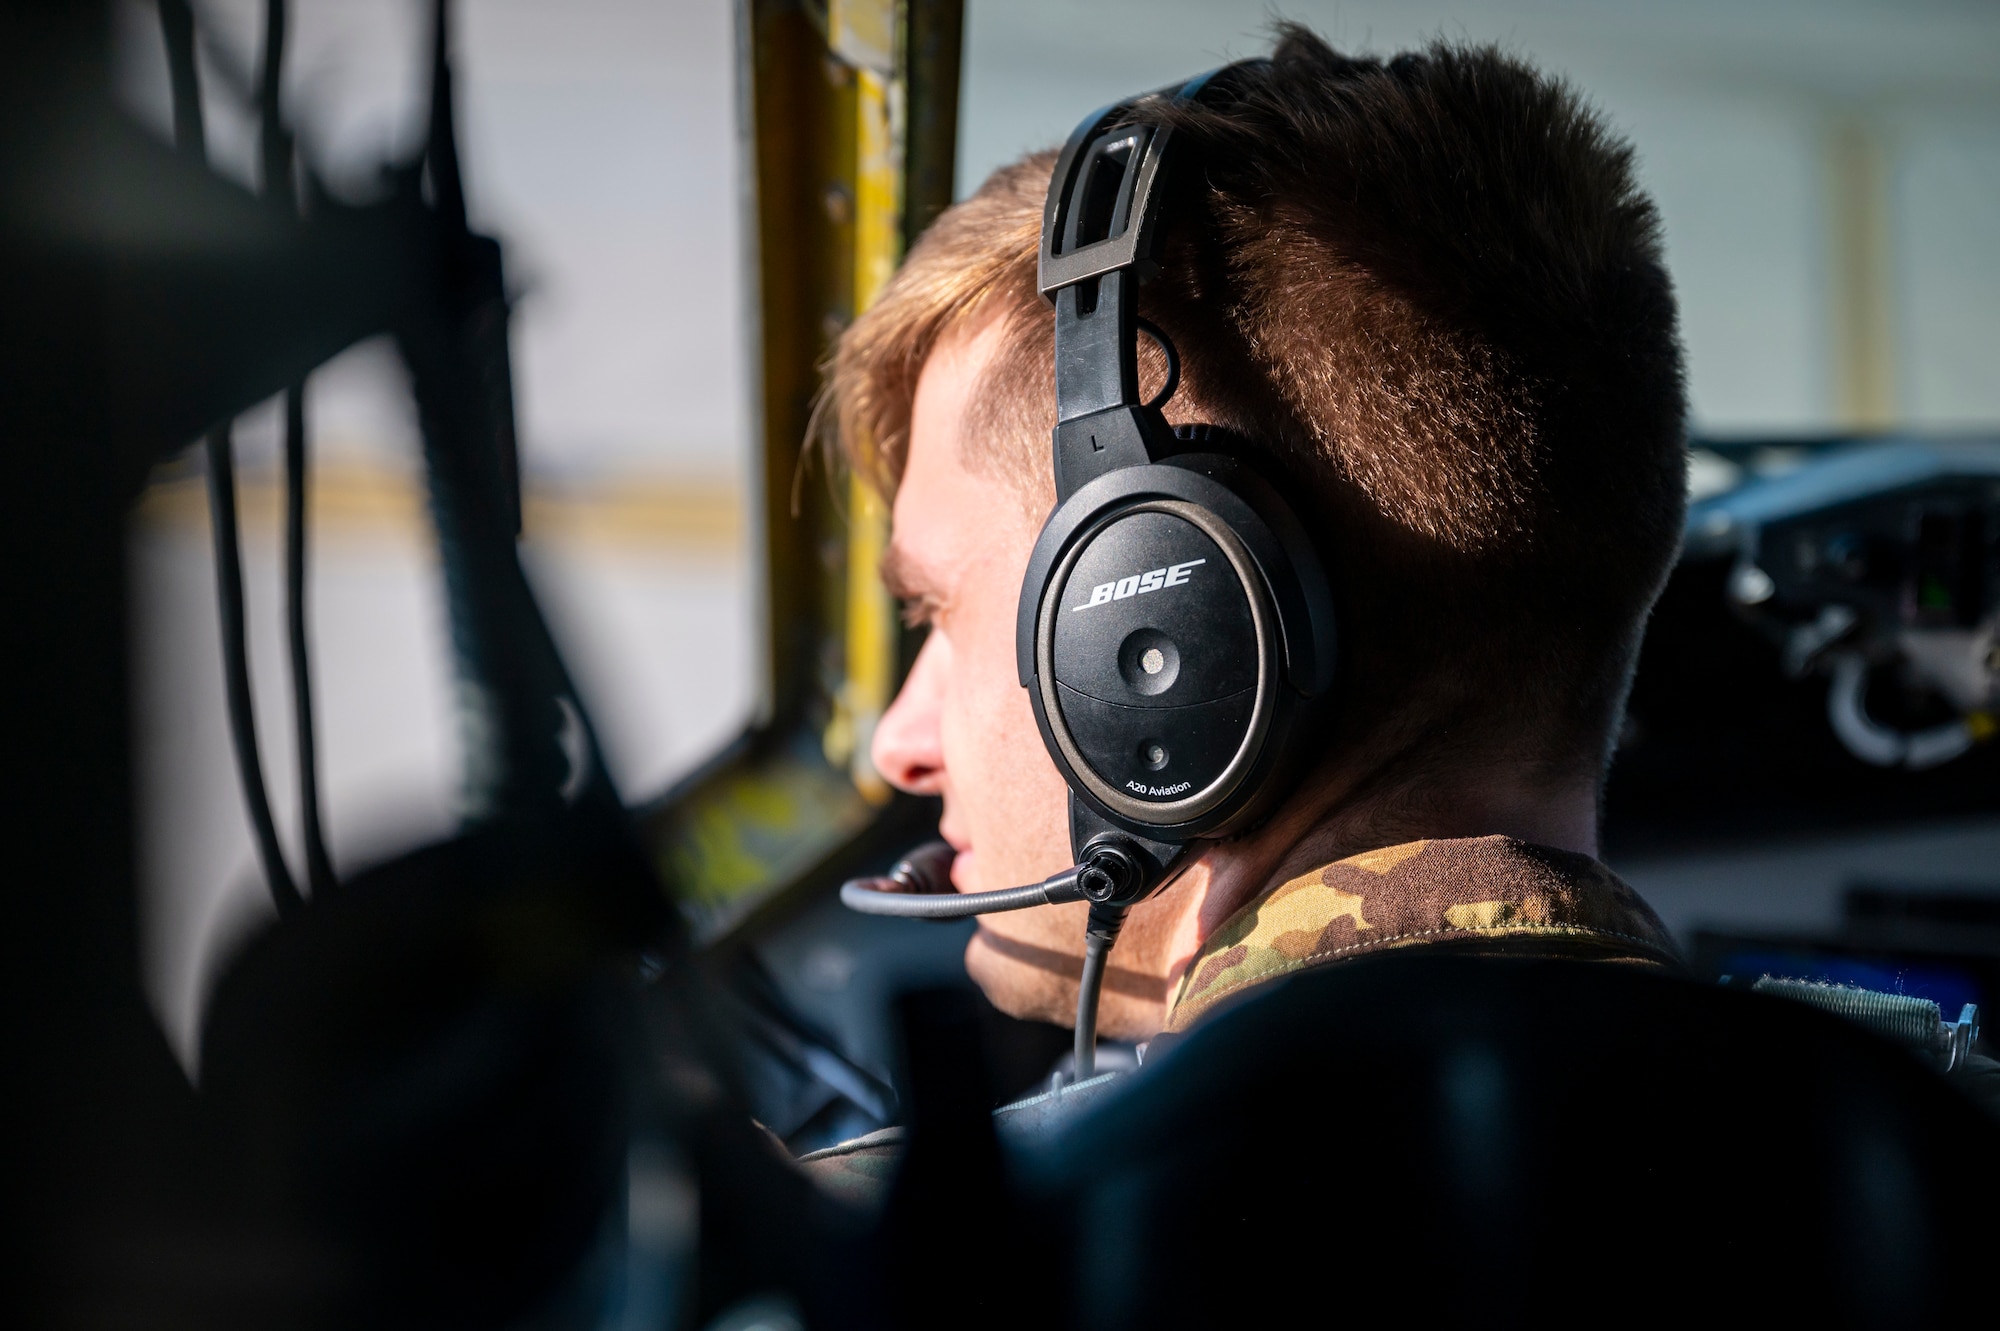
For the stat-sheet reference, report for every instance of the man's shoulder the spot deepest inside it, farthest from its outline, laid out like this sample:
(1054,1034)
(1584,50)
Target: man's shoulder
(1493,894)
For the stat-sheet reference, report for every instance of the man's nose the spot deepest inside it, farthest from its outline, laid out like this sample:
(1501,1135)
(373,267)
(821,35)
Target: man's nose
(907,749)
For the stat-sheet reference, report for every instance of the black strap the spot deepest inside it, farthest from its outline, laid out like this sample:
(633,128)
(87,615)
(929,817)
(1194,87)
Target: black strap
(1099,229)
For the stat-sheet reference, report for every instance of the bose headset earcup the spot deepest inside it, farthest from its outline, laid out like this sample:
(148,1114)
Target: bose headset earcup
(1175,634)
(1175,627)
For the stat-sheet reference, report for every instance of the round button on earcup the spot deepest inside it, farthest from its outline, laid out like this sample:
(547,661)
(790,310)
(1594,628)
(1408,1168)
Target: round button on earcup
(1149,662)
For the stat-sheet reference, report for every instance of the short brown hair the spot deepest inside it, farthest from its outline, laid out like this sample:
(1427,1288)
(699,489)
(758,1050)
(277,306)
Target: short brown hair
(1432,289)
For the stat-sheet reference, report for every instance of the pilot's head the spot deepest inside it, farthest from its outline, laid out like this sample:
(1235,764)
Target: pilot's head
(1431,287)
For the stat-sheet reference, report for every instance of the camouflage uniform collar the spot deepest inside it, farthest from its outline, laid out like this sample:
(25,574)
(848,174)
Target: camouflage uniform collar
(1492,894)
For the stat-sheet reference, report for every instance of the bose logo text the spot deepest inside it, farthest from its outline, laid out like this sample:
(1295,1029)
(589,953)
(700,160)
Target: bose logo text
(1136,584)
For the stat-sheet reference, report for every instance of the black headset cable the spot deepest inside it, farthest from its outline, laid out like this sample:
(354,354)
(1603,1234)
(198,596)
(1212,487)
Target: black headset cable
(1098,936)
(278,187)
(177,26)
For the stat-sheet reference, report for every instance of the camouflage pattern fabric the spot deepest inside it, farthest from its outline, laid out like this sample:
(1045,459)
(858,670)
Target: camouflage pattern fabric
(857,1171)
(1493,894)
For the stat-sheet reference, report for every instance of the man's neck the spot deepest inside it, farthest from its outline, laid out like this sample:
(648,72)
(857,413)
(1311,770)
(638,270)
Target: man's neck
(1308,835)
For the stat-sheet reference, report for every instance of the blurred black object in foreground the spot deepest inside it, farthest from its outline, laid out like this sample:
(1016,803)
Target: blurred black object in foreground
(418,1088)
(1464,1141)
(426,1080)
(1456,1141)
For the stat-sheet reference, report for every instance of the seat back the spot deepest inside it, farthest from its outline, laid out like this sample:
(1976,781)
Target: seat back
(1476,1141)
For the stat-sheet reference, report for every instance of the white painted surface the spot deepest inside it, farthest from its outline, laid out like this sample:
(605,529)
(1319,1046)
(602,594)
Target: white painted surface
(1947,200)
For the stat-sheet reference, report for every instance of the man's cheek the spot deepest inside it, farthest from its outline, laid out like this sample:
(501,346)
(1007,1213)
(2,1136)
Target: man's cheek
(1000,794)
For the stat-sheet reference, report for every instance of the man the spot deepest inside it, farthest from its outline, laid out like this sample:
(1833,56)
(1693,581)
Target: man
(1431,288)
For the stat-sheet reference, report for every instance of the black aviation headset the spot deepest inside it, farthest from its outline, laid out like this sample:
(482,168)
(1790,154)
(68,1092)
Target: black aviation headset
(1176,631)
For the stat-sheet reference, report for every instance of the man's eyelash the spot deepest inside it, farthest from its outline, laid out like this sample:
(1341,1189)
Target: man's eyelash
(917,611)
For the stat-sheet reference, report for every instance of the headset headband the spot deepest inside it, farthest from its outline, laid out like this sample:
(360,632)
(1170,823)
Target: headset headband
(1098,237)
(1067,258)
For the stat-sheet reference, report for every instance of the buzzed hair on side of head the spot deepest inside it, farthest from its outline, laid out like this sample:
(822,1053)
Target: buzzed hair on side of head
(1432,292)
